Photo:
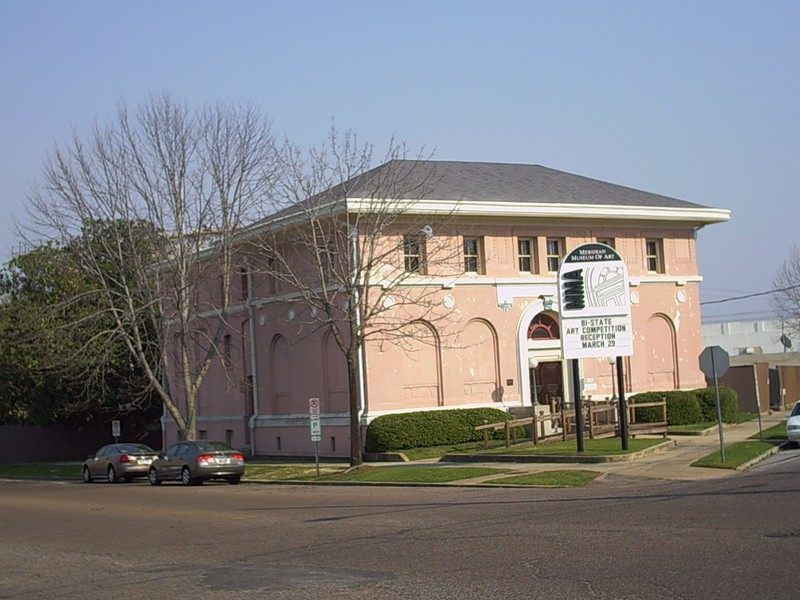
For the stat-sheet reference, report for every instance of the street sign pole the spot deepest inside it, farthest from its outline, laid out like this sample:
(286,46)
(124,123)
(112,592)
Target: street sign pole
(714,363)
(758,403)
(315,427)
(623,408)
(576,385)
(719,408)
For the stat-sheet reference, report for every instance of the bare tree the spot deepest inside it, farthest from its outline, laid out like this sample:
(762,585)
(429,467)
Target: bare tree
(151,203)
(353,251)
(786,296)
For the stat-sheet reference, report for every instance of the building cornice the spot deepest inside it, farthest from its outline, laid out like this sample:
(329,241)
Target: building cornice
(702,215)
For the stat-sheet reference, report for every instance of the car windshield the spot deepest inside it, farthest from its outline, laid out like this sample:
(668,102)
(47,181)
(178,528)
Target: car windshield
(795,410)
(206,446)
(134,448)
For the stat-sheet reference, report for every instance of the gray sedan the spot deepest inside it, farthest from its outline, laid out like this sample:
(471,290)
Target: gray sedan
(193,461)
(114,462)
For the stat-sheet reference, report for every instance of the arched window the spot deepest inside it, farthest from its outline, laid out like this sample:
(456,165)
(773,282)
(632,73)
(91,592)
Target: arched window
(543,327)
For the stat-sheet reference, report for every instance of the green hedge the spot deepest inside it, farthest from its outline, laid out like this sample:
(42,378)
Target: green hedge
(431,428)
(728,402)
(687,407)
(649,414)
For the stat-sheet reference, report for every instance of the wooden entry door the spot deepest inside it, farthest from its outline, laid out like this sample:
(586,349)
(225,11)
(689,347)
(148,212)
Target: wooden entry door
(549,382)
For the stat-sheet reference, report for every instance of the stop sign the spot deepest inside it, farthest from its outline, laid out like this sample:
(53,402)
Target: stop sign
(714,361)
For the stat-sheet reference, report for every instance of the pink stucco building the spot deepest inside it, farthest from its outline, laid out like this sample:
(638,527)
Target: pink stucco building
(489,324)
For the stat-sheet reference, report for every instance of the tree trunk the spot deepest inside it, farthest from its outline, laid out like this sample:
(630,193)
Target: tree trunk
(356,455)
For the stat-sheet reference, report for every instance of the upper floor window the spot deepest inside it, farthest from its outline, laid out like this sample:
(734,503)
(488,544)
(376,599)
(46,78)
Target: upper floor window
(525,255)
(226,350)
(272,274)
(606,241)
(555,249)
(655,259)
(414,254)
(331,259)
(473,255)
(243,281)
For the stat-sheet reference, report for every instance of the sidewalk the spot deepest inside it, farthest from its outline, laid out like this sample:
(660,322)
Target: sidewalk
(675,462)
(669,463)
(672,463)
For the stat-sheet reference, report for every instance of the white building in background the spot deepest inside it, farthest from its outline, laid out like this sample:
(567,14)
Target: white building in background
(748,337)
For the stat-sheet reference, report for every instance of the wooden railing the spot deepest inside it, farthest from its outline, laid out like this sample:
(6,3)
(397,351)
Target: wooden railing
(599,418)
(658,427)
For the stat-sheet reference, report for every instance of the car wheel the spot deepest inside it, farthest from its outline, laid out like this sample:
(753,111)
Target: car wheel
(186,477)
(234,479)
(112,475)
(87,476)
(152,477)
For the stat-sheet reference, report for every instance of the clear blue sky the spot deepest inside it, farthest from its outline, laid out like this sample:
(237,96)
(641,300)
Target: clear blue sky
(692,99)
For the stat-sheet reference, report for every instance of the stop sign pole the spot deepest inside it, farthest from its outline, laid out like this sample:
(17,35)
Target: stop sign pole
(714,362)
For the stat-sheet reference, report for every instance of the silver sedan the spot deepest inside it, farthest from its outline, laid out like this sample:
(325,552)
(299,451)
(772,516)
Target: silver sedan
(115,462)
(193,461)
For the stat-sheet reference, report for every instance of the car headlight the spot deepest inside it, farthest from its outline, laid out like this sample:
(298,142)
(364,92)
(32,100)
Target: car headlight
(792,427)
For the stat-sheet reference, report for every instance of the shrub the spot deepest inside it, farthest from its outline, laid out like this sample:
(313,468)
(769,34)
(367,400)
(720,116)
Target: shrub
(683,407)
(728,401)
(431,428)
(648,414)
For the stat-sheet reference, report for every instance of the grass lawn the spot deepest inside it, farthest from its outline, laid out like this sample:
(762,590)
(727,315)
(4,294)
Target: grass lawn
(601,447)
(598,447)
(58,471)
(692,427)
(412,474)
(735,455)
(557,478)
(776,433)
(271,472)
(365,473)
(742,418)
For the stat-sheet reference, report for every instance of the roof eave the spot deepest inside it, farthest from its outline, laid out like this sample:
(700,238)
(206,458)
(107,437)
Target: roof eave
(700,214)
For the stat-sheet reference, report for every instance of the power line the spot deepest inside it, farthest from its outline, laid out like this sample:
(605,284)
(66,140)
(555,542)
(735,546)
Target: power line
(786,289)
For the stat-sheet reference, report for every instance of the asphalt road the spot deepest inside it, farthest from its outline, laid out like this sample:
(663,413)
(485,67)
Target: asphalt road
(737,537)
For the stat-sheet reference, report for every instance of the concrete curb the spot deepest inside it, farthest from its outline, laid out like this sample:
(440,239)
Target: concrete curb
(758,459)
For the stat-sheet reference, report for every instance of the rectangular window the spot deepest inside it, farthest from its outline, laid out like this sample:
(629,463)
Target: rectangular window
(226,351)
(525,255)
(606,241)
(414,254)
(654,256)
(473,260)
(329,268)
(272,274)
(244,284)
(554,249)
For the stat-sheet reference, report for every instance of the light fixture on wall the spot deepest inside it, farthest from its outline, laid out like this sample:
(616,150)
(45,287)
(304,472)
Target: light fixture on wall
(612,360)
(533,364)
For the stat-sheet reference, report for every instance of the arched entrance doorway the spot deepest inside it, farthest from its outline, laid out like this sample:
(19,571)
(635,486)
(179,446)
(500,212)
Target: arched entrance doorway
(545,367)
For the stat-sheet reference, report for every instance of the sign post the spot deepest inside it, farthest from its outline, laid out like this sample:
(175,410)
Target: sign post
(316,427)
(595,317)
(714,363)
(116,430)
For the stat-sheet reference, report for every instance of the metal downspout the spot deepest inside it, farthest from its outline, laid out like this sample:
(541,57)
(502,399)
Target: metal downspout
(253,359)
(362,406)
